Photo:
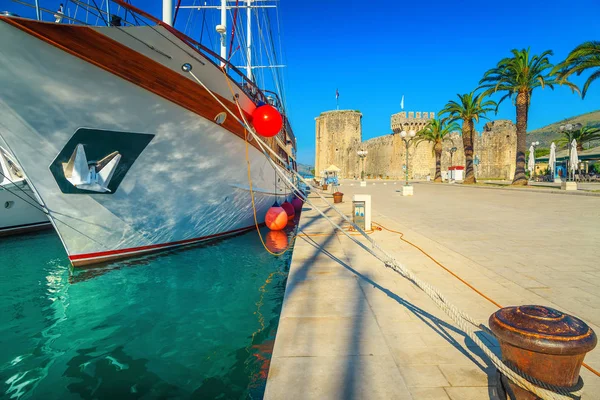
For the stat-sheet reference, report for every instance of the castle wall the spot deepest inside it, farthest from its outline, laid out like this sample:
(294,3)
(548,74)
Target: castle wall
(496,150)
(339,136)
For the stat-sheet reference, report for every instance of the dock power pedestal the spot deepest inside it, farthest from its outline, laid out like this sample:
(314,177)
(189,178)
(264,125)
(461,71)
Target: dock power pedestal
(361,211)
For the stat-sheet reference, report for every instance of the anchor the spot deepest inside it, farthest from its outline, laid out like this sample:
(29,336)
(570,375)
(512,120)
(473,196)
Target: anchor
(93,176)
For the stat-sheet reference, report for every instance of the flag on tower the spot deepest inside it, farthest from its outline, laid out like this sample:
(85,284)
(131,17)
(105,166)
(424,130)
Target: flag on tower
(402,103)
(337,99)
(337,94)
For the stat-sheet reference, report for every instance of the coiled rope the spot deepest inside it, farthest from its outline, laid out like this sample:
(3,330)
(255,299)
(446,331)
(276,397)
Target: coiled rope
(464,322)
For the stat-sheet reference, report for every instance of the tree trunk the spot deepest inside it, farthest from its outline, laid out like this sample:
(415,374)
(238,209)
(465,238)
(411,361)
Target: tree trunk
(520,178)
(437,148)
(467,137)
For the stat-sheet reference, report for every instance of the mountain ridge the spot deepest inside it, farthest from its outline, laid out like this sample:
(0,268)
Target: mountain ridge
(551,132)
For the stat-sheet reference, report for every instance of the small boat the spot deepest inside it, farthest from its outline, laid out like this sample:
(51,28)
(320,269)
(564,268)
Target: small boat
(129,131)
(20,212)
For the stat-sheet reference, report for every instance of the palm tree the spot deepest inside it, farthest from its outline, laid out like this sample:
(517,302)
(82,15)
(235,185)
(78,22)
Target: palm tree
(469,108)
(583,135)
(584,57)
(518,76)
(436,131)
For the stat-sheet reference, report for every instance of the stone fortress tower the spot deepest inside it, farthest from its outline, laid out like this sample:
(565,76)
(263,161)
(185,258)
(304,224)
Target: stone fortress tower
(337,132)
(416,121)
(339,137)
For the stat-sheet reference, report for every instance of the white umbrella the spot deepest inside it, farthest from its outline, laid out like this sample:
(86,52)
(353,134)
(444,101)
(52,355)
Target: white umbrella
(531,162)
(552,159)
(573,159)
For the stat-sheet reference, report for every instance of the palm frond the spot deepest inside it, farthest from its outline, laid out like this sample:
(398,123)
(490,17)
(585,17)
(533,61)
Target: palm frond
(582,58)
(587,83)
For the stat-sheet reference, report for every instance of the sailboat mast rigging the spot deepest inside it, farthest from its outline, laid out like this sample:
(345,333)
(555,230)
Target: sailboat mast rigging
(221,28)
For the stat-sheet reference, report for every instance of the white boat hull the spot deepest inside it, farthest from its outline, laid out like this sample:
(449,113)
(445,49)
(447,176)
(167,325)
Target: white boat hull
(18,212)
(190,183)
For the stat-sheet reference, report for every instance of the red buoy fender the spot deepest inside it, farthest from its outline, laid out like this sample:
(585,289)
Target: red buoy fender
(289,209)
(267,121)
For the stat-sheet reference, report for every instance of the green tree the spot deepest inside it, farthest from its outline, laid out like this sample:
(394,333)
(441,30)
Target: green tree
(541,152)
(584,57)
(516,77)
(583,135)
(469,108)
(436,131)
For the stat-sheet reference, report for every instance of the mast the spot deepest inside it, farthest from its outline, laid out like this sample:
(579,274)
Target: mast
(167,12)
(37,10)
(222,29)
(249,40)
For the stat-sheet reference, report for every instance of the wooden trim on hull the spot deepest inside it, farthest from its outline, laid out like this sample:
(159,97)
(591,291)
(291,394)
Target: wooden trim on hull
(26,228)
(98,49)
(80,260)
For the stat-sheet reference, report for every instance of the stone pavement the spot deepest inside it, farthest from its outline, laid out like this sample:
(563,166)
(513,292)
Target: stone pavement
(351,328)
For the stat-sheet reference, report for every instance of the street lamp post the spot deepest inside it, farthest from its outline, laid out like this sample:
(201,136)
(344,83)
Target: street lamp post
(569,128)
(407,190)
(534,144)
(362,154)
(452,151)
(406,138)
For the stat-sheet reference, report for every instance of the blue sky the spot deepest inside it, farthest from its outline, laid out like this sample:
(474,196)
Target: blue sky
(427,51)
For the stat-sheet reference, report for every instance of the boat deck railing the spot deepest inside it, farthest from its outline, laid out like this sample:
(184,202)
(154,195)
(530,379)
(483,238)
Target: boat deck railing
(119,13)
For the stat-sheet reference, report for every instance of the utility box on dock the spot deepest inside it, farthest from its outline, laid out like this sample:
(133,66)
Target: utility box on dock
(361,211)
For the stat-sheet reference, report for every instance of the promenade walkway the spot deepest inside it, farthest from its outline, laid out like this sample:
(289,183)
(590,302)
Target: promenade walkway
(351,328)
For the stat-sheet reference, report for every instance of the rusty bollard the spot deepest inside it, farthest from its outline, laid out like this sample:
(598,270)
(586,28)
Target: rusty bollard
(544,343)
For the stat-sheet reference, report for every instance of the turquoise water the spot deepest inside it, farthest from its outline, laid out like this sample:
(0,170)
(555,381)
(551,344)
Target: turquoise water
(193,323)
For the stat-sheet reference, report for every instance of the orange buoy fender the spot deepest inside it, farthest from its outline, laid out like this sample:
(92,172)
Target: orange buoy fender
(276,218)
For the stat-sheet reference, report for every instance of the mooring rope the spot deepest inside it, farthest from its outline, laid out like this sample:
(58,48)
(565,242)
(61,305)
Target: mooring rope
(541,389)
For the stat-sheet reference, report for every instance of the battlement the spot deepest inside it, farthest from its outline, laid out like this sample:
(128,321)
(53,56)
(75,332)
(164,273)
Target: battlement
(414,120)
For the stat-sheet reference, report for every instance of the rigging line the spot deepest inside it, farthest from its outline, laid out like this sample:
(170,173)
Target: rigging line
(202,27)
(259,52)
(176,12)
(233,28)
(264,42)
(186,30)
(133,15)
(283,59)
(194,23)
(241,39)
(276,71)
(99,11)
